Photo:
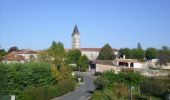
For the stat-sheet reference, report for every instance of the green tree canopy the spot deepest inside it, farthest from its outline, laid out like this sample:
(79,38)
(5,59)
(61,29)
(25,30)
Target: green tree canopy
(138,53)
(73,56)
(106,53)
(2,52)
(57,52)
(164,55)
(151,53)
(139,46)
(13,49)
(127,52)
(83,63)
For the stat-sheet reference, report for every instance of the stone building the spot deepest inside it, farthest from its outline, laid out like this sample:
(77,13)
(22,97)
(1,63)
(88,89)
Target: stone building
(91,53)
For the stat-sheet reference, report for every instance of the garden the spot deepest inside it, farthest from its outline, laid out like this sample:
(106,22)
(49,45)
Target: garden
(130,85)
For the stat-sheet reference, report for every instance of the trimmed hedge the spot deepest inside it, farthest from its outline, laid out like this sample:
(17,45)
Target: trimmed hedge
(32,81)
(47,92)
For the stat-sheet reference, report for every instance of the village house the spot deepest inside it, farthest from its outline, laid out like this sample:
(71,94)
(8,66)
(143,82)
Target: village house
(100,66)
(20,56)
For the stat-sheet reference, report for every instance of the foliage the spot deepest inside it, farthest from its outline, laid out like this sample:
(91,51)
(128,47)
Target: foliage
(73,56)
(151,53)
(43,56)
(13,49)
(138,53)
(100,83)
(120,91)
(16,77)
(47,92)
(78,76)
(35,93)
(98,95)
(155,86)
(2,52)
(115,86)
(164,55)
(106,53)
(130,78)
(57,52)
(127,52)
(66,86)
(61,73)
(83,63)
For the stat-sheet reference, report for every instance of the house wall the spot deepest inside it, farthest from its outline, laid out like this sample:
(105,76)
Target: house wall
(102,68)
(91,55)
(137,65)
(27,56)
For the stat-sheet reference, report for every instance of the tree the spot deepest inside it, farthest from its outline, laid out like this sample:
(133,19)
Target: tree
(151,53)
(57,52)
(139,46)
(164,55)
(138,53)
(106,53)
(73,56)
(2,52)
(83,63)
(165,48)
(13,49)
(127,52)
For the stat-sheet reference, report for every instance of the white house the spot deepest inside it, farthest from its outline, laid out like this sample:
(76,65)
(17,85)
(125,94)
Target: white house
(128,63)
(102,66)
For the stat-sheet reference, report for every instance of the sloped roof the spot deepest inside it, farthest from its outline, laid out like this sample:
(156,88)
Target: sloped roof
(26,51)
(94,49)
(13,57)
(75,31)
(103,62)
(128,60)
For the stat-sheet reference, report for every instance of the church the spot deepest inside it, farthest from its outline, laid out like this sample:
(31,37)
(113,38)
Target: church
(91,53)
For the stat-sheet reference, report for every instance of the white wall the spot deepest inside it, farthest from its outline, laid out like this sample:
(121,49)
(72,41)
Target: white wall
(102,68)
(137,65)
(27,56)
(91,55)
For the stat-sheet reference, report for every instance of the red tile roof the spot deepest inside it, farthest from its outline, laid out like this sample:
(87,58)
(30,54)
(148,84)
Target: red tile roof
(94,49)
(13,57)
(26,51)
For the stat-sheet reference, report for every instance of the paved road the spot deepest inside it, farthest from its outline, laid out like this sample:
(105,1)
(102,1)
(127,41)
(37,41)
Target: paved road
(83,92)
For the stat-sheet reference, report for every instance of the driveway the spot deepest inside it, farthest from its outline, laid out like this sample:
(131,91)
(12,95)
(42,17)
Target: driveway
(84,91)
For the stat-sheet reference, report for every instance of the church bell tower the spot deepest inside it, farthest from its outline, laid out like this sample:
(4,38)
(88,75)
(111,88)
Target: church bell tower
(75,38)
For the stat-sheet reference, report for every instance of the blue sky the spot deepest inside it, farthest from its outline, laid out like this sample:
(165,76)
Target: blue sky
(121,23)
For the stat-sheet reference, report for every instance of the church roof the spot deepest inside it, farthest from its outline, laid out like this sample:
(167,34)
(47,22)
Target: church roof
(75,31)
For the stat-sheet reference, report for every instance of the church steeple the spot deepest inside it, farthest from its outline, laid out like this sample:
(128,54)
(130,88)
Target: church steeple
(76,38)
(75,31)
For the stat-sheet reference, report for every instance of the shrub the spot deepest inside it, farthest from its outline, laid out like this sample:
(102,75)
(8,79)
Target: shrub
(35,93)
(120,90)
(47,92)
(79,76)
(66,86)
(98,95)
(153,86)
(100,83)
(16,77)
